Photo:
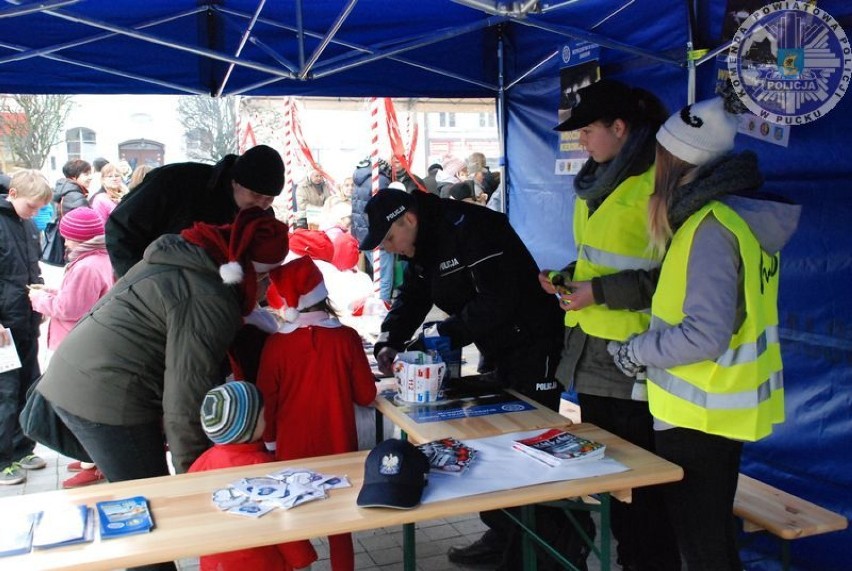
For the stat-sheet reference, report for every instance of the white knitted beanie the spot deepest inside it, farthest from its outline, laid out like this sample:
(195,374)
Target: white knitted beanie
(699,133)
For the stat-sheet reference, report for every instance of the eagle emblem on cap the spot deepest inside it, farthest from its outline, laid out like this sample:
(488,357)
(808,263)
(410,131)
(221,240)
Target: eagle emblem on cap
(390,465)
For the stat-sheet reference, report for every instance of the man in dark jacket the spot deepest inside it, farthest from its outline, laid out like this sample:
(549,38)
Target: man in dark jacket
(172,197)
(468,261)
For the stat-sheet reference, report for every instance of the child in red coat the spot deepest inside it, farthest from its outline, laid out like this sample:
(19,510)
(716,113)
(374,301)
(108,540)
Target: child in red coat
(312,373)
(232,417)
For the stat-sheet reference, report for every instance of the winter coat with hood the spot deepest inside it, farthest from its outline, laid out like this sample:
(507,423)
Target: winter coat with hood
(362,177)
(19,254)
(88,277)
(151,348)
(69,195)
(714,278)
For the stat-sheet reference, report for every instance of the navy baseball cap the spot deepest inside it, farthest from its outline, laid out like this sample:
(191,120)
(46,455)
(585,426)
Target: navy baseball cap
(383,209)
(603,99)
(394,476)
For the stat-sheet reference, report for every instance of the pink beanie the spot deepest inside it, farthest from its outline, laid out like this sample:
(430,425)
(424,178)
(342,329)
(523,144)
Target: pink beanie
(81,225)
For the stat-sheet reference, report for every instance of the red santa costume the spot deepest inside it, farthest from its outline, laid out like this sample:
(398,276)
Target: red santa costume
(311,375)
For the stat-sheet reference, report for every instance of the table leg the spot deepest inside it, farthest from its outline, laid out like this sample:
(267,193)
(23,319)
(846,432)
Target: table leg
(529,558)
(408,547)
(606,526)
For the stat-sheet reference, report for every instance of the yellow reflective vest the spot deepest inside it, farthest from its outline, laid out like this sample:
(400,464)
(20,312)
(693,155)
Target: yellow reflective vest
(613,238)
(740,394)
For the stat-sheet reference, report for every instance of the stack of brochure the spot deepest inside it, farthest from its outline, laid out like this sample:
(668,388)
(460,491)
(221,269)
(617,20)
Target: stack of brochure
(554,446)
(124,517)
(64,525)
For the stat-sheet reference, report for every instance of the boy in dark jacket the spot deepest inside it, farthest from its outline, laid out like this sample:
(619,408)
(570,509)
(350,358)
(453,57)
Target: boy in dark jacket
(19,253)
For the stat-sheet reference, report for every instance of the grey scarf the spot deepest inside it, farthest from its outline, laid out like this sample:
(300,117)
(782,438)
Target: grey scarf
(596,181)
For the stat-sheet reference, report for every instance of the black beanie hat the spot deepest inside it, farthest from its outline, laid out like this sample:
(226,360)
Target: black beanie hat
(261,170)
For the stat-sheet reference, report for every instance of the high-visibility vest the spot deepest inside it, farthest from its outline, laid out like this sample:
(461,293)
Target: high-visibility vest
(740,394)
(613,238)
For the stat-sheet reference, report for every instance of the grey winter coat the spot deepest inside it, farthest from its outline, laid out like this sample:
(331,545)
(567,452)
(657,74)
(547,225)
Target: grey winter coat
(151,348)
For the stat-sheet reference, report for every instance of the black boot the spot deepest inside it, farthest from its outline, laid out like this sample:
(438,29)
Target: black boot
(487,550)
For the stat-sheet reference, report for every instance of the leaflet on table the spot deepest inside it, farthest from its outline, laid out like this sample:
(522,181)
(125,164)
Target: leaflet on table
(554,446)
(16,533)
(497,402)
(64,525)
(124,517)
(448,456)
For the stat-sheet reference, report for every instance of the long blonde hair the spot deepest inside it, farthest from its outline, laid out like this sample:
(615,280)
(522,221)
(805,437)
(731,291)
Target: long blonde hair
(671,173)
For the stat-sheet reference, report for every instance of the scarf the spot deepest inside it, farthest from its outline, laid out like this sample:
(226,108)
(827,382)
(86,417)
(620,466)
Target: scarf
(310,319)
(730,174)
(96,243)
(596,181)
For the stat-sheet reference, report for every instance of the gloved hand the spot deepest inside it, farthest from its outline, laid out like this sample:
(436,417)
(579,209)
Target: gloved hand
(261,319)
(624,358)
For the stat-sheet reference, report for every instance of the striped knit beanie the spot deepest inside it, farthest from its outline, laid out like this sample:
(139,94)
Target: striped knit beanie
(230,412)
(81,225)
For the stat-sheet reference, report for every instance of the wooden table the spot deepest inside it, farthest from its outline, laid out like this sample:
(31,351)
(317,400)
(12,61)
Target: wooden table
(474,427)
(188,524)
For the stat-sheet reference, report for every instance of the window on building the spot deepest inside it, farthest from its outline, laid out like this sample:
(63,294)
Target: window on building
(81,143)
(447,119)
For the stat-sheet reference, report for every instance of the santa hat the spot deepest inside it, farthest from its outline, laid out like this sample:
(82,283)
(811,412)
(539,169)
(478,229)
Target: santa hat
(699,133)
(255,243)
(313,243)
(297,285)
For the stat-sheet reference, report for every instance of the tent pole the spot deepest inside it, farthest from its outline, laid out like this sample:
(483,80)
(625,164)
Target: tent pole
(690,61)
(300,33)
(501,120)
(332,31)
(24,10)
(246,35)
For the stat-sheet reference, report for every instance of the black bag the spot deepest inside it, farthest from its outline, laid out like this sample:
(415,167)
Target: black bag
(53,252)
(41,423)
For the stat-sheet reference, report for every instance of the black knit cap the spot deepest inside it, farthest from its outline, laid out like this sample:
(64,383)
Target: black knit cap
(261,170)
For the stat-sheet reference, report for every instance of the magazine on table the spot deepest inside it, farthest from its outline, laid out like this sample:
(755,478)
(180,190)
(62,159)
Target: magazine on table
(554,446)
(448,456)
(16,533)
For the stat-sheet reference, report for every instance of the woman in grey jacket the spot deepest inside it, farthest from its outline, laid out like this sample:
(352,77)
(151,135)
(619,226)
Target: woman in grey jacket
(136,368)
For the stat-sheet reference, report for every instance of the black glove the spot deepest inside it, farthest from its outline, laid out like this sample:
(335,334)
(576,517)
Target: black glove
(624,358)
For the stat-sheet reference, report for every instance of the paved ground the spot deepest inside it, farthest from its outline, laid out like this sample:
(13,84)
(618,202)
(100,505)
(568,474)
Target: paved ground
(375,550)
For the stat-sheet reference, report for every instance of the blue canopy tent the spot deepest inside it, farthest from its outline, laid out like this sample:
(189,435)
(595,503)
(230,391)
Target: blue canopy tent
(508,51)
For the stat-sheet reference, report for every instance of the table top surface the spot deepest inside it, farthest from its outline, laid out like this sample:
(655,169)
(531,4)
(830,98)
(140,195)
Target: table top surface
(188,524)
(472,427)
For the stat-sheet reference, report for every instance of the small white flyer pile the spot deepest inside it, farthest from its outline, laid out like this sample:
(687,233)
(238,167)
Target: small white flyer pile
(254,497)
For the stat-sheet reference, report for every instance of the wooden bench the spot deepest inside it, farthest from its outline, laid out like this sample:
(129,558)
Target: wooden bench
(765,508)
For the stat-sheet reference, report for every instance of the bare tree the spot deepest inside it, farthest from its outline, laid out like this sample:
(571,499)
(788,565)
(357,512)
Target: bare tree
(32,124)
(210,126)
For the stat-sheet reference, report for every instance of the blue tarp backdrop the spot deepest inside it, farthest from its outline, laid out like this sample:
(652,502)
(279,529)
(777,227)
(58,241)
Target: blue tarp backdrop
(508,51)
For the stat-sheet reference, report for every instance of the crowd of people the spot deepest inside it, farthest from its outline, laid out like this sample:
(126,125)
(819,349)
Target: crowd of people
(191,320)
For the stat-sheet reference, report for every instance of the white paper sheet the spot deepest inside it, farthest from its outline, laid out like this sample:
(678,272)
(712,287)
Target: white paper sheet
(9,360)
(499,467)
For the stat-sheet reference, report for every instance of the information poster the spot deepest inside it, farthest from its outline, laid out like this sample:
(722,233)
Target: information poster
(579,69)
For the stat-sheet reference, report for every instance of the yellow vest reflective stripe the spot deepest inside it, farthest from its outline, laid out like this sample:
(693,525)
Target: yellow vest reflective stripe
(613,238)
(740,394)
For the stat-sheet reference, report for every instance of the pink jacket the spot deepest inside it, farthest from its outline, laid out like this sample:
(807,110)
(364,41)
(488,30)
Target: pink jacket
(86,280)
(103,205)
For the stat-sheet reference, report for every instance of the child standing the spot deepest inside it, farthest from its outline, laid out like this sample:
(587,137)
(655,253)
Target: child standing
(88,276)
(19,254)
(312,374)
(232,417)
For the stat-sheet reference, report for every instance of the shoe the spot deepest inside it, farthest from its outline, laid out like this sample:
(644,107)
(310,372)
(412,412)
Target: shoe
(84,478)
(483,551)
(12,475)
(31,462)
(75,466)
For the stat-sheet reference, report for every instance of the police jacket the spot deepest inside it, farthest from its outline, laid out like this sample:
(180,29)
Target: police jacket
(470,263)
